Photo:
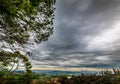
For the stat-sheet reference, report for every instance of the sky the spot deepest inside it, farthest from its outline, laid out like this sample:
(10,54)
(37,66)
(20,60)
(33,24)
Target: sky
(86,34)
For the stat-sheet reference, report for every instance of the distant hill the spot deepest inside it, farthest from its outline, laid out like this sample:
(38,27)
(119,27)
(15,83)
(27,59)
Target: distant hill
(63,72)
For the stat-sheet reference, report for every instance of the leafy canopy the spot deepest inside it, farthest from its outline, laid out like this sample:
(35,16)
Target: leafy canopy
(24,22)
(20,17)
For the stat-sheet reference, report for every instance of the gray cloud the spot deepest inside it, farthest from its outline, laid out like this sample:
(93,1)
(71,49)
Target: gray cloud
(86,34)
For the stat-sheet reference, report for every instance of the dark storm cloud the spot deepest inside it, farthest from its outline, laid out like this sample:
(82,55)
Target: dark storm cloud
(78,26)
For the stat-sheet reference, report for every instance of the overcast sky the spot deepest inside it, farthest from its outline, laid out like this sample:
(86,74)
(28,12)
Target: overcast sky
(86,34)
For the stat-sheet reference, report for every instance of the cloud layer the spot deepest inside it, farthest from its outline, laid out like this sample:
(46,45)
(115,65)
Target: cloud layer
(86,34)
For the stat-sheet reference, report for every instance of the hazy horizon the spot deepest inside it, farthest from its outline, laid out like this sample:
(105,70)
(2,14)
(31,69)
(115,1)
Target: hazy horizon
(86,34)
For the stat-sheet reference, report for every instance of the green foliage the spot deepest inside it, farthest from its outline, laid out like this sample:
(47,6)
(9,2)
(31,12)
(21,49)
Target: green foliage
(20,17)
(19,21)
(9,59)
(34,78)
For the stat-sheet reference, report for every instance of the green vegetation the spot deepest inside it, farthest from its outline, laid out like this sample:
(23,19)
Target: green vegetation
(23,23)
(29,22)
(103,77)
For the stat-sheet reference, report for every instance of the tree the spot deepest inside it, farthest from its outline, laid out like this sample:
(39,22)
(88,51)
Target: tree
(10,61)
(23,23)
